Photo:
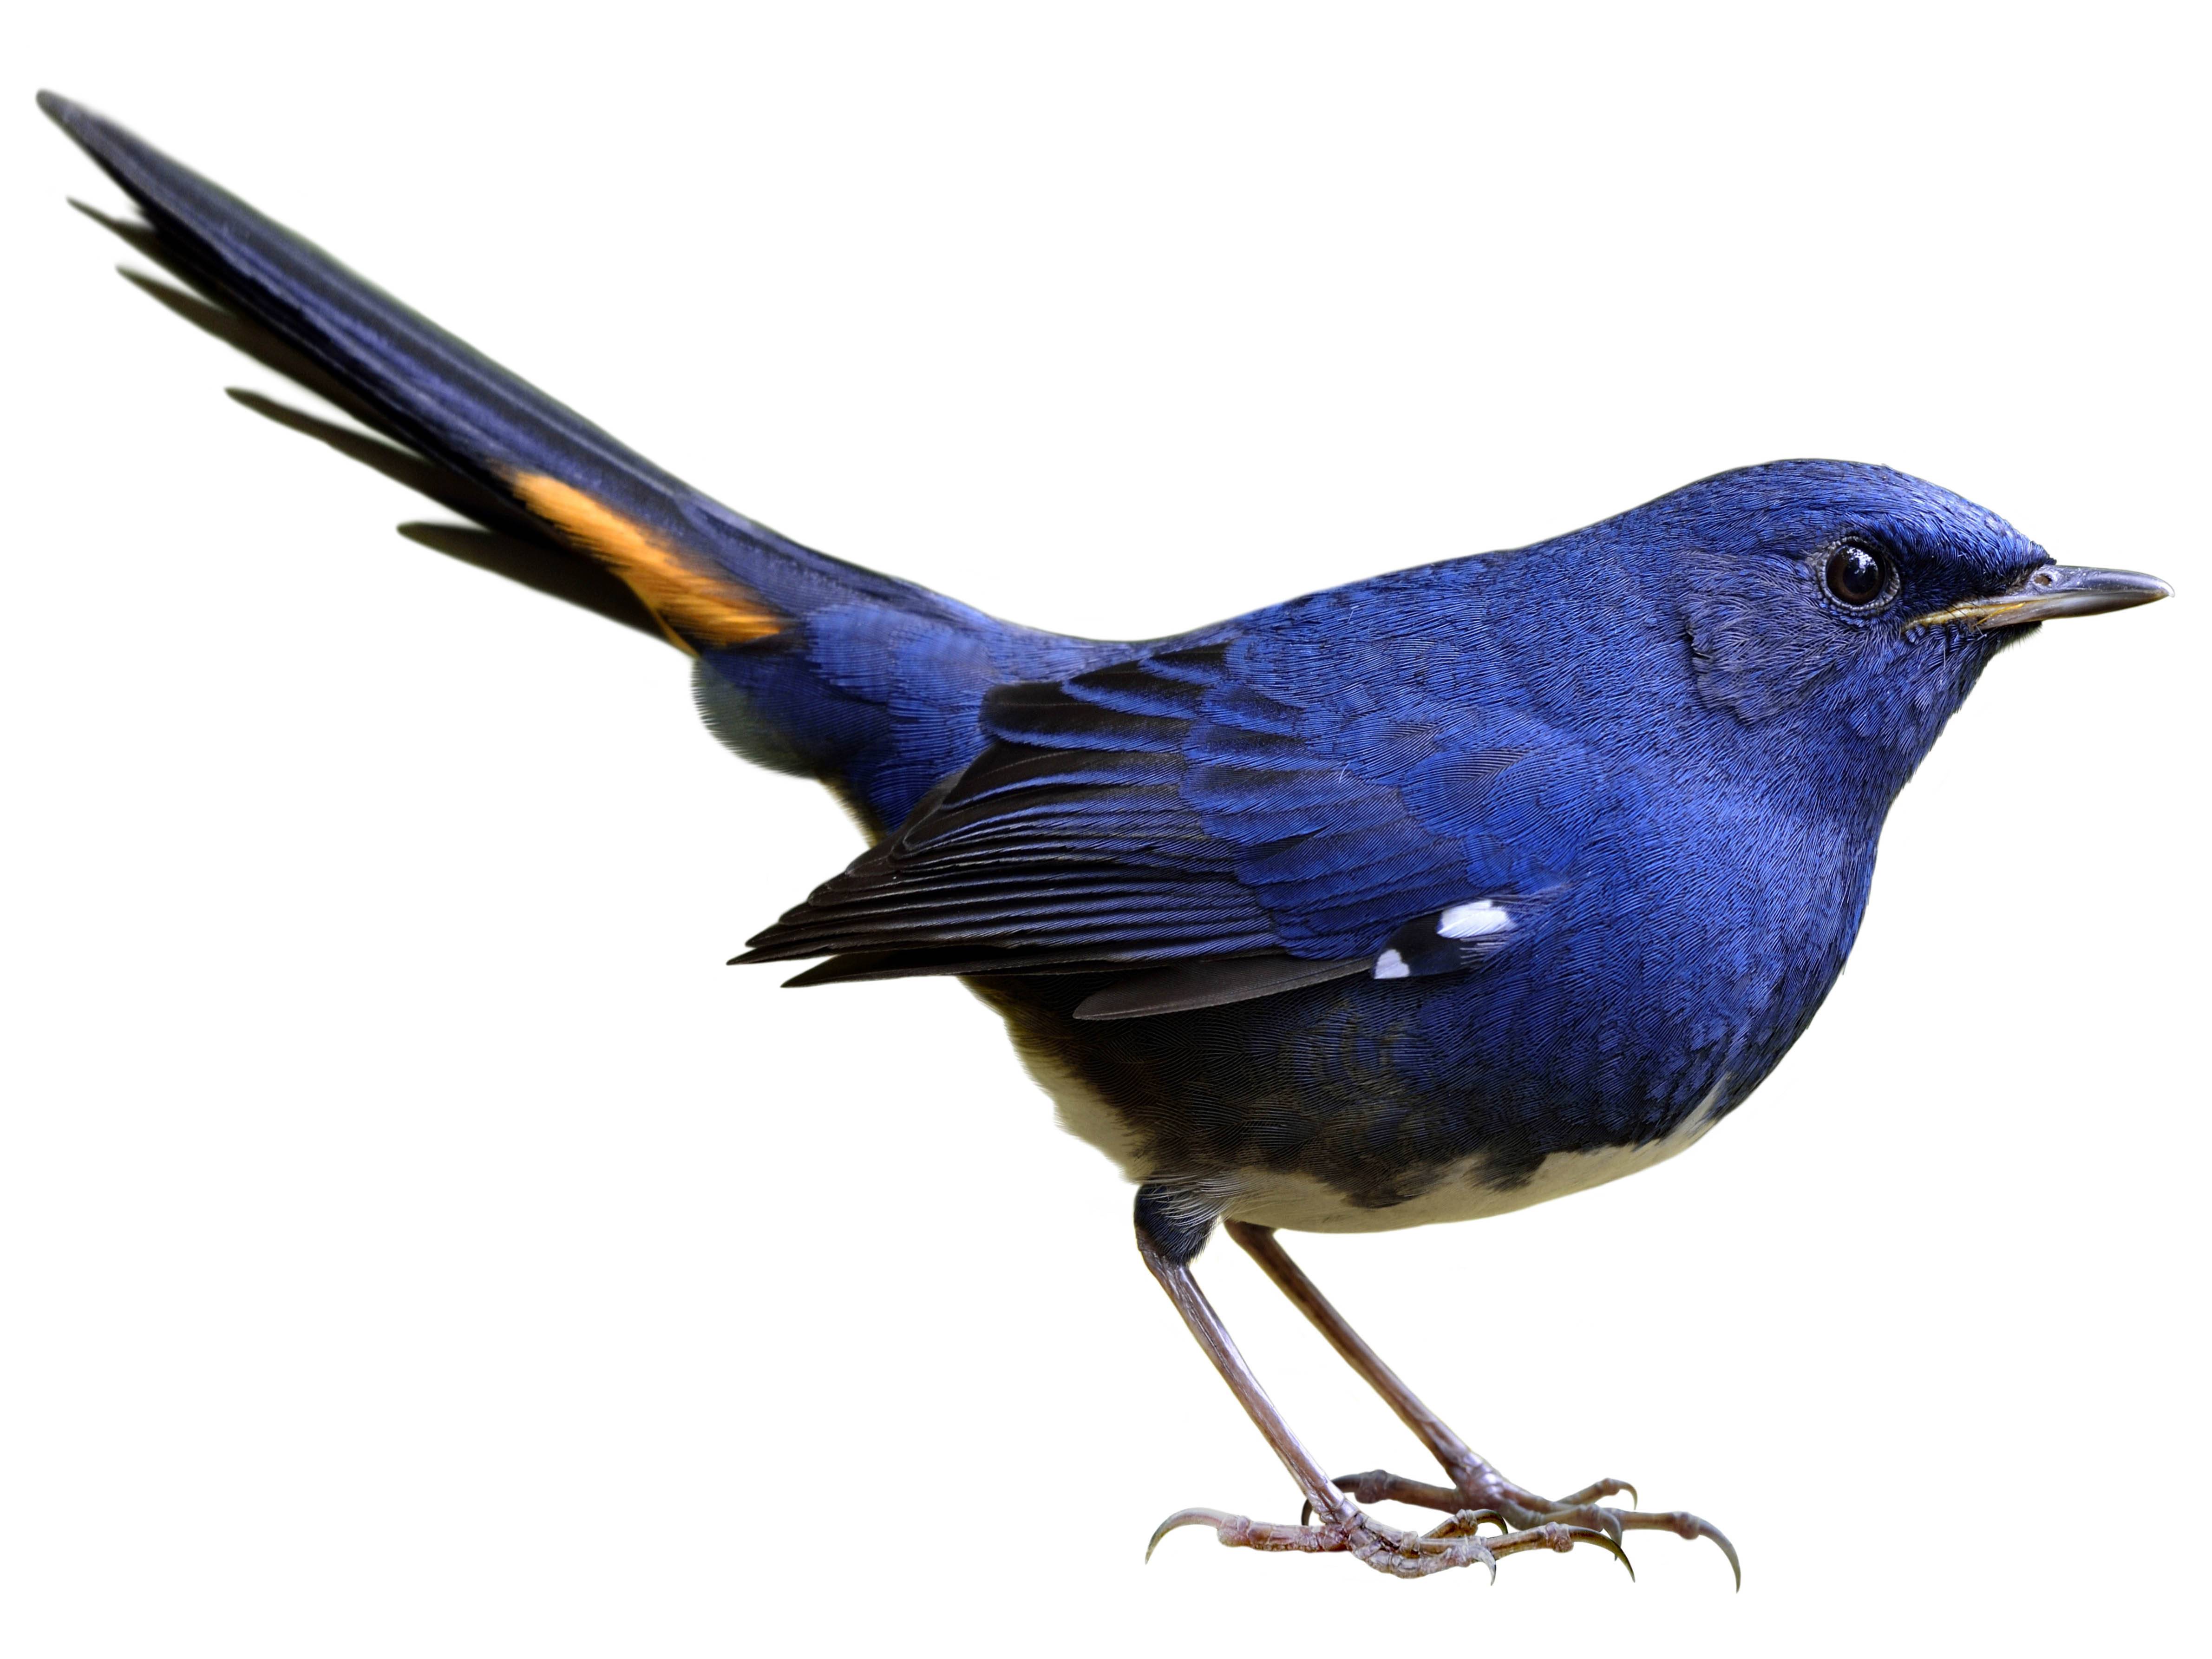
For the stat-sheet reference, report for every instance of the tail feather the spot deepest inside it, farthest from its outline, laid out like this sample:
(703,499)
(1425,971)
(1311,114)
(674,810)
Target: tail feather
(713,576)
(509,544)
(805,662)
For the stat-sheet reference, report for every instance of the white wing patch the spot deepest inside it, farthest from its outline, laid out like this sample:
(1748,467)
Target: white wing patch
(1473,920)
(1448,941)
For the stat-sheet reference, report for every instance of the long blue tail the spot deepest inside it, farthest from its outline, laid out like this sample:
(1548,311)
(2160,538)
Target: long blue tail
(803,662)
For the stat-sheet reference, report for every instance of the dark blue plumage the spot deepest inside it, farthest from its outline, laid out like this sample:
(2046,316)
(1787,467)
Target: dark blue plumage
(1655,748)
(1419,898)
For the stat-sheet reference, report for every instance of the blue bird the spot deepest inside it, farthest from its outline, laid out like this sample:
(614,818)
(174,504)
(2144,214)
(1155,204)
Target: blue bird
(1421,899)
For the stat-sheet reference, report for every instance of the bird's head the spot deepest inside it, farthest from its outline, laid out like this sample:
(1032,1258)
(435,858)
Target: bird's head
(1829,616)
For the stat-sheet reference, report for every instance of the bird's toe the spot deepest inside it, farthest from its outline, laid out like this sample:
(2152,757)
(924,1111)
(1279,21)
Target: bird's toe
(1521,1517)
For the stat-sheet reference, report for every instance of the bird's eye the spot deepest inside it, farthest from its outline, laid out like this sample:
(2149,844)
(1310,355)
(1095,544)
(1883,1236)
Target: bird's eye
(1857,576)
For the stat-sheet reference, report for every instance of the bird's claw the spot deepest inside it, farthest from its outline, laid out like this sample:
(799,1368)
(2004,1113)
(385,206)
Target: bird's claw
(1602,1489)
(1464,1522)
(1454,1542)
(1523,1515)
(1683,1524)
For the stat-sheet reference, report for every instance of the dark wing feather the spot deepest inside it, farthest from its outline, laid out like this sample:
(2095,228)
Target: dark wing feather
(1209,982)
(1155,812)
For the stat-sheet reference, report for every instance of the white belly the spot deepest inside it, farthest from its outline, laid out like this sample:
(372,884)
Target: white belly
(1302,1203)
(1080,1110)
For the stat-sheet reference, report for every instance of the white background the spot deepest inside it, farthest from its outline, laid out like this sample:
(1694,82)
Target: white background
(412,1239)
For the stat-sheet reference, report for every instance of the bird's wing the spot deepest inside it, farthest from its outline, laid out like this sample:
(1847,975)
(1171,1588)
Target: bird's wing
(1166,814)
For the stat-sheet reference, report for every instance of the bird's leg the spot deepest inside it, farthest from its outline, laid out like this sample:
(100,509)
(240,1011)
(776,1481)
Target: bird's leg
(1342,1527)
(1476,1483)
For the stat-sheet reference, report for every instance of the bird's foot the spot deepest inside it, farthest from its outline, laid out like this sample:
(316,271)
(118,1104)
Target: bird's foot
(1480,1489)
(1454,1543)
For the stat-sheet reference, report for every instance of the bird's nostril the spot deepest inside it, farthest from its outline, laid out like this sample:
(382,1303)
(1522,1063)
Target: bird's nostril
(2043,579)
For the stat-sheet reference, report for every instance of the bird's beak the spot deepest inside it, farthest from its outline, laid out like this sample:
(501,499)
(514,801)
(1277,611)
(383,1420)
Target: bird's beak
(2053,589)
